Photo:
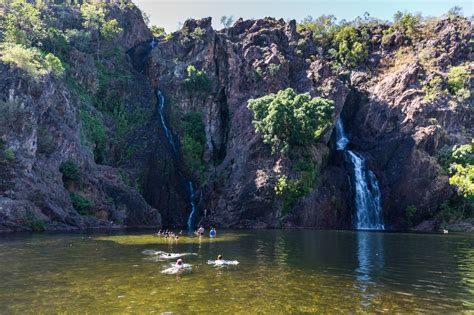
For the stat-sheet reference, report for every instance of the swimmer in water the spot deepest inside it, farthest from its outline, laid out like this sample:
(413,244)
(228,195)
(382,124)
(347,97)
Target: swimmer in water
(219,263)
(179,264)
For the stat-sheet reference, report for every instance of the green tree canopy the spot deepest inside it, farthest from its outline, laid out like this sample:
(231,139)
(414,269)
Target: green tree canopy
(288,119)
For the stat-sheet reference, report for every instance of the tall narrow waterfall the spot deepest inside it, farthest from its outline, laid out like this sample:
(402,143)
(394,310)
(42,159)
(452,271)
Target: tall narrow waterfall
(368,199)
(193,207)
(169,138)
(161,111)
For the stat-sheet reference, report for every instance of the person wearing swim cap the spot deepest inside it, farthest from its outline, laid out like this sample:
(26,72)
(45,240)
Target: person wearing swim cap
(179,264)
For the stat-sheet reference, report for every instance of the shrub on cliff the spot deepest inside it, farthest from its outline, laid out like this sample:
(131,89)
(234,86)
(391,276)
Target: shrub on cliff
(406,23)
(70,170)
(94,20)
(351,47)
(458,81)
(287,119)
(197,80)
(82,205)
(290,190)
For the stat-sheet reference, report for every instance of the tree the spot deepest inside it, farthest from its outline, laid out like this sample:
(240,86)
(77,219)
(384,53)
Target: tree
(351,47)
(157,31)
(22,24)
(197,80)
(289,119)
(95,21)
(227,21)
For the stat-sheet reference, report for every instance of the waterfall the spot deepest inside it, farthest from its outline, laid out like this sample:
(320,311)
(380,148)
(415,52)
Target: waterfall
(368,199)
(153,43)
(367,195)
(169,137)
(341,139)
(193,207)
(161,111)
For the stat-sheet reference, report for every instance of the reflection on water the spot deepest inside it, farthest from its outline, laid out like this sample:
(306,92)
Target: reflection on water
(279,272)
(370,255)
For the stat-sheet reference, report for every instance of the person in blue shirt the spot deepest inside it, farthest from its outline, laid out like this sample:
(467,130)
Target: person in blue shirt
(212,233)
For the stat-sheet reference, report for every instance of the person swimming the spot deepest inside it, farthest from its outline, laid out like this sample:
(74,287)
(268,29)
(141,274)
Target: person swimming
(179,264)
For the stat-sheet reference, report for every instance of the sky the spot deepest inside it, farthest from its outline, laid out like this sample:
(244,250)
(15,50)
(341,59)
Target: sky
(170,14)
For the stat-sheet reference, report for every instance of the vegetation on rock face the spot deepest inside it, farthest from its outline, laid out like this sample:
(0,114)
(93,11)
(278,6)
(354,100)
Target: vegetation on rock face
(458,162)
(289,123)
(290,190)
(458,81)
(23,37)
(287,119)
(157,31)
(70,170)
(347,43)
(193,143)
(405,23)
(34,223)
(410,212)
(95,22)
(197,81)
(82,205)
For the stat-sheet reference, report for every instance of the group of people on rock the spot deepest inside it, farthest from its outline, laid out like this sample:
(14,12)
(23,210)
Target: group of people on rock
(169,235)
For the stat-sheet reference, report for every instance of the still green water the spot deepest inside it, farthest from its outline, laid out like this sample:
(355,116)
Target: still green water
(279,272)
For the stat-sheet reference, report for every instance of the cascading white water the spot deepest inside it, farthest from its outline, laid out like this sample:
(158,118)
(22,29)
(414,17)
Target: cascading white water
(161,111)
(368,199)
(367,195)
(193,207)
(169,137)
(341,139)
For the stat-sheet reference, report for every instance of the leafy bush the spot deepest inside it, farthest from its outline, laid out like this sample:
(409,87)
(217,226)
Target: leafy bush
(22,23)
(273,69)
(458,161)
(433,88)
(197,33)
(34,223)
(351,47)
(323,29)
(290,190)
(27,59)
(70,170)
(82,205)
(197,80)
(410,212)
(53,64)
(458,81)
(433,121)
(193,143)
(9,155)
(289,119)
(31,60)
(406,23)
(157,31)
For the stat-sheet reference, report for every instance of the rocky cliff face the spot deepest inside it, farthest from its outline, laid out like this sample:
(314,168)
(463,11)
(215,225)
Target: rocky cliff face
(43,126)
(382,102)
(383,105)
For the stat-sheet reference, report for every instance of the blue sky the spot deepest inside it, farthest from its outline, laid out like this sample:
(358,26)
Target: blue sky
(170,13)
